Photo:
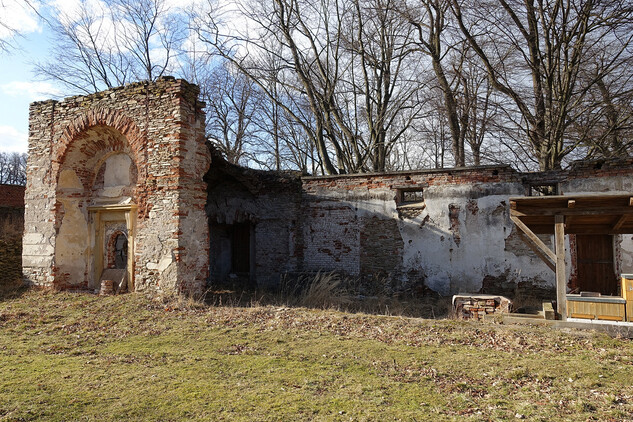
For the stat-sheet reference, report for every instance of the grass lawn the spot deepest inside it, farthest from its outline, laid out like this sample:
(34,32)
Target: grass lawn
(69,356)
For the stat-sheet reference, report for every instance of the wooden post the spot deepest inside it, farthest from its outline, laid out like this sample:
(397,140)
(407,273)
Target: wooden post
(561,277)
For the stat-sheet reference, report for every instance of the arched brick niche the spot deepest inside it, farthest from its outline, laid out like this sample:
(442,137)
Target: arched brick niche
(116,250)
(132,154)
(97,168)
(108,128)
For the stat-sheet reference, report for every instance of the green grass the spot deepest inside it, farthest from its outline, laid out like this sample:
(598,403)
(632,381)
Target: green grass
(68,356)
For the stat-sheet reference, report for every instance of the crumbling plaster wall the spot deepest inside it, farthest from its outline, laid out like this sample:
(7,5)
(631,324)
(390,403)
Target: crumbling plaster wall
(461,239)
(452,243)
(160,127)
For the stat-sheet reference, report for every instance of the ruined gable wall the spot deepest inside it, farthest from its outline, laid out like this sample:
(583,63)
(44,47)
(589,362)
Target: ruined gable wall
(162,124)
(270,202)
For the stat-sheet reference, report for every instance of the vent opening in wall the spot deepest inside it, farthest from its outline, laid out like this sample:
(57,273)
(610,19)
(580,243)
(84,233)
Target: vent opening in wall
(410,202)
(544,189)
(410,196)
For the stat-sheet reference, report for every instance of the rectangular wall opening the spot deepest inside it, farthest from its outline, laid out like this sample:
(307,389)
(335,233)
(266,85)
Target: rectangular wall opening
(231,253)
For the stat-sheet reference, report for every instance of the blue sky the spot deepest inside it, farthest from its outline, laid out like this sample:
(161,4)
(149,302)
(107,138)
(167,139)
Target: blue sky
(18,89)
(18,83)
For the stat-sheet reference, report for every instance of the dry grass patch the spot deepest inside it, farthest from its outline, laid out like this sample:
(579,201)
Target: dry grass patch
(68,356)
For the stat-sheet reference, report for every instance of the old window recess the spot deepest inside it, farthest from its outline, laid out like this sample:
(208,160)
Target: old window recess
(410,197)
(543,189)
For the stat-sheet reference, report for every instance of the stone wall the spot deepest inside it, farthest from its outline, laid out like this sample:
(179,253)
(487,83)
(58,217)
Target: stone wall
(266,202)
(153,134)
(447,230)
(133,161)
(11,228)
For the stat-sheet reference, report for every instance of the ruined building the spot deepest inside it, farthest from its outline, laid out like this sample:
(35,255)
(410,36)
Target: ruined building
(123,180)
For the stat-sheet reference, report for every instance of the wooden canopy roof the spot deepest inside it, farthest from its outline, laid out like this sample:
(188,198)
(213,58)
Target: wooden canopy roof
(583,214)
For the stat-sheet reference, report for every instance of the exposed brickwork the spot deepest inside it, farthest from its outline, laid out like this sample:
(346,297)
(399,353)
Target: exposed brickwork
(460,239)
(12,196)
(477,307)
(11,228)
(380,245)
(160,127)
(267,201)
(142,148)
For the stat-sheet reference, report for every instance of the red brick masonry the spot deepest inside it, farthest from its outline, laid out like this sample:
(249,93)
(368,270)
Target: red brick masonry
(12,196)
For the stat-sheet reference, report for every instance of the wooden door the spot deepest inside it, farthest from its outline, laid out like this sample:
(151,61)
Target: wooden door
(594,257)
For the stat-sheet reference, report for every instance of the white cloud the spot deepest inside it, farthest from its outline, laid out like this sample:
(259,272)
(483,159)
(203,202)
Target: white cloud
(32,91)
(72,8)
(17,17)
(12,140)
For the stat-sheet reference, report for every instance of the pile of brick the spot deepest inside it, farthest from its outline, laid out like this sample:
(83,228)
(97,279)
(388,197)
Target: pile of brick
(477,306)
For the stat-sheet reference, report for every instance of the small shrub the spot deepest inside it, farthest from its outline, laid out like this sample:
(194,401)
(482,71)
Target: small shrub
(324,290)
(320,290)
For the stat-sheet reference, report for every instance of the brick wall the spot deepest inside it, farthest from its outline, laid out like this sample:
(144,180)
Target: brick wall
(11,196)
(270,203)
(11,228)
(160,127)
(458,239)
(455,235)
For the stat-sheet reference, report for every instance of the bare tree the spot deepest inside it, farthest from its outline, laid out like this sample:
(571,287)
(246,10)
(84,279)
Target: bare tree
(12,168)
(9,33)
(431,23)
(382,45)
(106,44)
(346,60)
(549,43)
(233,103)
(606,126)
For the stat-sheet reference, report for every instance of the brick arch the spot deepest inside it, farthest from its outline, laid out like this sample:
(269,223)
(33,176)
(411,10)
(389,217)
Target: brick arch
(99,117)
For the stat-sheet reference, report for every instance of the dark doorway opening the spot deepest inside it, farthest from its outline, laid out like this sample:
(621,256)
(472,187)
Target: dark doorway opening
(241,248)
(595,264)
(231,253)
(120,252)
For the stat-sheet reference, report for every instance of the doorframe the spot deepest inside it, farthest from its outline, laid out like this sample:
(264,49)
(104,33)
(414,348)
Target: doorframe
(610,244)
(99,215)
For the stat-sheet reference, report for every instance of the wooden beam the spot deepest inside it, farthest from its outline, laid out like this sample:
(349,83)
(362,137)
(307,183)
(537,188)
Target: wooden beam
(537,212)
(561,276)
(618,224)
(537,251)
(534,238)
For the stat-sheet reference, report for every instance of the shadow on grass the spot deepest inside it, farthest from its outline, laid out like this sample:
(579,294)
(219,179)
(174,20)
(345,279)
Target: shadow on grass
(12,291)
(330,291)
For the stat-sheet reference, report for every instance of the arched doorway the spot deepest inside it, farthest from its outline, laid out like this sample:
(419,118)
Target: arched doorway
(96,192)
